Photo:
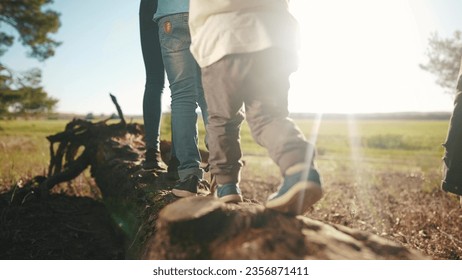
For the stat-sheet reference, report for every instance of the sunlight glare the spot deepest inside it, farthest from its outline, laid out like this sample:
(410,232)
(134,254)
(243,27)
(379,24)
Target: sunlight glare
(356,56)
(362,178)
(310,152)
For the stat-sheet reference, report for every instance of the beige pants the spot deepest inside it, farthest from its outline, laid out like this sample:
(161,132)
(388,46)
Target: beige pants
(252,86)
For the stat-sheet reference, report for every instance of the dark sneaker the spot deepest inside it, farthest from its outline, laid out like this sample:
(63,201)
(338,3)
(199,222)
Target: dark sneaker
(153,160)
(172,170)
(187,187)
(228,193)
(296,194)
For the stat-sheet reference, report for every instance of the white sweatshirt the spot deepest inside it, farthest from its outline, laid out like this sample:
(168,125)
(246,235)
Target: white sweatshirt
(222,27)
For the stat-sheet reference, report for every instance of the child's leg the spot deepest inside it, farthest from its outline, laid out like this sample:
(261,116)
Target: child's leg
(222,89)
(267,114)
(266,106)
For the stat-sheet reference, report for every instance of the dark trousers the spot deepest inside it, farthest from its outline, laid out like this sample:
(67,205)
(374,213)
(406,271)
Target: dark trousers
(150,46)
(452,160)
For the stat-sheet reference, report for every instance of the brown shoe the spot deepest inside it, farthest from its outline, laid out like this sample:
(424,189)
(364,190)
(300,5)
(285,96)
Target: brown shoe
(153,161)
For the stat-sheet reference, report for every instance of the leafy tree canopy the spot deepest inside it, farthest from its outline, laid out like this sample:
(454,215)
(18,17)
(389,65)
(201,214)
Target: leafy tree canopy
(21,93)
(32,24)
(444,56)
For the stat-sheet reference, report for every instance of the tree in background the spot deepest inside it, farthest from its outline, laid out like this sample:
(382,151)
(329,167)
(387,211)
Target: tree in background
(24,95)
(21,93)
(444,55)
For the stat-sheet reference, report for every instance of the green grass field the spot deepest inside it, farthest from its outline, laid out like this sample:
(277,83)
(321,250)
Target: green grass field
(380,176)
(361,153)
(342,145)
(24,149)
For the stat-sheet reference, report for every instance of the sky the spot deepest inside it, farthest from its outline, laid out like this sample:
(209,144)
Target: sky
(357,56)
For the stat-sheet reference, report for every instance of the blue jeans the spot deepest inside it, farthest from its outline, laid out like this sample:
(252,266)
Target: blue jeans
(184,76)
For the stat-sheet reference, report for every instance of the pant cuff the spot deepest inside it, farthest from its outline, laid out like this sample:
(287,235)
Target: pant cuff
(190,171)
(292,158)
(227,178)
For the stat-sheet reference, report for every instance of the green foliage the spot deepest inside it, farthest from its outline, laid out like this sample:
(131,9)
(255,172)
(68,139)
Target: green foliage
(444,55)
(379,145)
(90,116)
(21,94)
(33,25)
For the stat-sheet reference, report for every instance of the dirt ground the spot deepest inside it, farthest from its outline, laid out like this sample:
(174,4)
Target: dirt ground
(395,208)
(70,227)
(60,227)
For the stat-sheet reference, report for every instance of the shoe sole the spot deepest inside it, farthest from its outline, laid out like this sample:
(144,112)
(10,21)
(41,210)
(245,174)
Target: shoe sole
(298,199)
(183,193)
(232,198)
(156,168)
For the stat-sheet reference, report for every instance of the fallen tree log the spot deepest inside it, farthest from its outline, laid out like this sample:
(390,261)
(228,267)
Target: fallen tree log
(205,228)
(157,225)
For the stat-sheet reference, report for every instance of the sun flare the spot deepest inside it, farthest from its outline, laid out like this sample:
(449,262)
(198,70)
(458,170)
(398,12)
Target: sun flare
(356,56)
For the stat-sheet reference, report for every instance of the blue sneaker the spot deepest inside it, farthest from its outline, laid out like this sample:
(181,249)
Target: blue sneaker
(296,194)
(229,193)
